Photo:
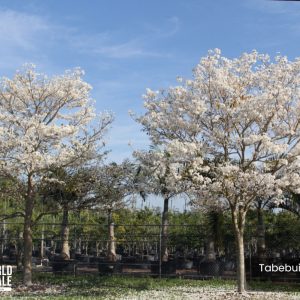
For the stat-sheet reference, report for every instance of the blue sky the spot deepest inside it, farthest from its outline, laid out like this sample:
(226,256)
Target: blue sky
(125,46)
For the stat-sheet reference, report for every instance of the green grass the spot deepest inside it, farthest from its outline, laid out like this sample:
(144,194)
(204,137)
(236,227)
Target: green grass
(269,286)
(113,287)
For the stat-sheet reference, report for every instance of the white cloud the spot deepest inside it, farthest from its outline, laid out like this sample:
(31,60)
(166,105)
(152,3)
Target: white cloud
(22,38)
(20,30)
(108,44)
(168,29)
(25,35)
(287,15)
(274,7)
(125,50)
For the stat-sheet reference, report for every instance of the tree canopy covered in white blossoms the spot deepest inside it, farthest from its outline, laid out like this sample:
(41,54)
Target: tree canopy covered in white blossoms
(241,118)
(243,112)
(46,122)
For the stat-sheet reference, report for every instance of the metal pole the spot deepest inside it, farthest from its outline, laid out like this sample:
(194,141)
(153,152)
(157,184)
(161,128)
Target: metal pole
(160,233)
(250,260)
(42,252)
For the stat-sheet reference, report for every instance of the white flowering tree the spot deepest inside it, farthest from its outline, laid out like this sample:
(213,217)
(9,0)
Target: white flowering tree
(45,123)
(241,113)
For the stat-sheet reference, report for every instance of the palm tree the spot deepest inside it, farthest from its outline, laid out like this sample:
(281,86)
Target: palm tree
(156,176)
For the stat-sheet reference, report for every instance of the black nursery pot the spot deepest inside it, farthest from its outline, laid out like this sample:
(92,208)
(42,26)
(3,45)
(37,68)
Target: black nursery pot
(108,268)
(63,266)
(167,267)
(209,268)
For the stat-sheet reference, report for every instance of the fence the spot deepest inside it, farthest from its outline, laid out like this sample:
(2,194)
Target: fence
(189,251)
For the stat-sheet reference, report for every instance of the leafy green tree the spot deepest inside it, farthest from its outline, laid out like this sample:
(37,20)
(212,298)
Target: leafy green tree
(68,190)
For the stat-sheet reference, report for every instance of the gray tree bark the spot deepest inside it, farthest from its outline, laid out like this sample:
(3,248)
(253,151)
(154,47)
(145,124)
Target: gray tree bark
(210,250)
(42,252)
(111,249)
(238,218)
(164,231)
(27,234)
(65,248)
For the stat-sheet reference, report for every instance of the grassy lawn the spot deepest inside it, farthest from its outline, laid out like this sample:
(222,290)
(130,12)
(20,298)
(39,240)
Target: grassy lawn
(48,286)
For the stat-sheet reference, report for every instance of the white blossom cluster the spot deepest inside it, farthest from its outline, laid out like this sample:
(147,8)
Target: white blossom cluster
(162,173)
(46,122)
(242,116)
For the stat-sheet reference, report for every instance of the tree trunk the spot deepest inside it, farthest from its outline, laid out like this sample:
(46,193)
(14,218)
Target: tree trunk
(241,274)
(79,246)
(238,218)
(97,249)
(210,250)
(164,231)
(27,234)
(261,240)
(111,249)
(42,252)
(4,241)
(20,248)
(65,248)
